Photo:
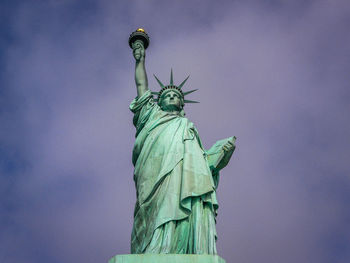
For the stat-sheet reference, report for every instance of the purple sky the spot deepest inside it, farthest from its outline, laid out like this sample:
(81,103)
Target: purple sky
(273,73)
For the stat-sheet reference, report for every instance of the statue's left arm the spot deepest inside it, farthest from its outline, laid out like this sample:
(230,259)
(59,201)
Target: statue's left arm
(228,150)
(220,153)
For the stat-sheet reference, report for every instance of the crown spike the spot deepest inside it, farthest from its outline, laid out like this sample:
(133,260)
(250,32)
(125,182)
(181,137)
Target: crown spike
(159,82)
(171,78)
(190,91)
(183,82)
(190,101)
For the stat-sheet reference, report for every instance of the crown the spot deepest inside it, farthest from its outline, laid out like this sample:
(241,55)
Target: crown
(173,87)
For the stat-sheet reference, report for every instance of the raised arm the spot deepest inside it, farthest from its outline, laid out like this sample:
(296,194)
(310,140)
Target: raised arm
(140,70)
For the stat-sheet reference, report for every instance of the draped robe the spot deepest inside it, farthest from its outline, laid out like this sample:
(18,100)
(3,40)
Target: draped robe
(176,200)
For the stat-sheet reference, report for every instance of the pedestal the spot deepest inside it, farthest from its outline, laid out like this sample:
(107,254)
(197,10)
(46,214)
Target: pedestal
(166,258)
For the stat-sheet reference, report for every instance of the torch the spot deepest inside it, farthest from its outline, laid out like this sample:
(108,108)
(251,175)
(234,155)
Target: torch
(139,34)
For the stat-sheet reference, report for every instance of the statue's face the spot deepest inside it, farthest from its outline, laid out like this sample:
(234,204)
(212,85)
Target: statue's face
(171,101)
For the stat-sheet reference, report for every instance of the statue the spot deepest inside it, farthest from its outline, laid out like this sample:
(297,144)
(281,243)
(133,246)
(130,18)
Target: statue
(175,177)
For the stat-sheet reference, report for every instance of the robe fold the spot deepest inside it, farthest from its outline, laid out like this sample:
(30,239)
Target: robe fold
(176,200)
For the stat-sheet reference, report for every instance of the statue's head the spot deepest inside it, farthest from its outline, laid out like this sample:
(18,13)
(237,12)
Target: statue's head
(171,100)
(171,97)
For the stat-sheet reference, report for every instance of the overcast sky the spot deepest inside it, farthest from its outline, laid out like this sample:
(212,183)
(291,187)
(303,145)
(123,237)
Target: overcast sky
(273,73)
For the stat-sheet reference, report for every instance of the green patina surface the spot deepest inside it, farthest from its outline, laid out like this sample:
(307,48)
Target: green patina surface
(175,177)
(166,258)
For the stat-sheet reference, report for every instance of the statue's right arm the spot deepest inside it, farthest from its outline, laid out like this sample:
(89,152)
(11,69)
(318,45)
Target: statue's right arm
(140,70)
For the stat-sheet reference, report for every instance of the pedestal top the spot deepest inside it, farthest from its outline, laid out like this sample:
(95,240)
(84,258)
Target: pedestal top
(166,258)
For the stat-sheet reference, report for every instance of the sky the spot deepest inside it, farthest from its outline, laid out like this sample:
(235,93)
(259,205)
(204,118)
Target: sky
(273,73)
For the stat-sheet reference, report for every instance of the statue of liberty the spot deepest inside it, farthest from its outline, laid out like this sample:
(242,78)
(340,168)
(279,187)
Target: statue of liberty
(175,177)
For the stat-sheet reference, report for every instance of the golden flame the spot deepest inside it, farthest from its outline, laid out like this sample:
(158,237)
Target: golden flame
(140,30)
